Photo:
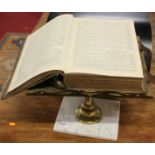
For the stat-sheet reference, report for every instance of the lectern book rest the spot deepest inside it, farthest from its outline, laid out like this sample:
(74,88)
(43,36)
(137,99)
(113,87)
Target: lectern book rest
(88,53)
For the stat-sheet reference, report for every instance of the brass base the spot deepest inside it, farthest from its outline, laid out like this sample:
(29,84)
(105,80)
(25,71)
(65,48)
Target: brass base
(88,112)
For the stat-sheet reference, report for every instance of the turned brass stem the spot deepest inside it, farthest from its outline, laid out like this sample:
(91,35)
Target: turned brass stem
(88,101)
(88,112)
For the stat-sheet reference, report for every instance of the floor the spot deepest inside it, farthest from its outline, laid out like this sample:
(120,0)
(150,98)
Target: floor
(18,22)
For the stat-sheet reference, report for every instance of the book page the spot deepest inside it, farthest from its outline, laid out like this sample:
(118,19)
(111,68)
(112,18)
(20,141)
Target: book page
(104,47)
(43,51)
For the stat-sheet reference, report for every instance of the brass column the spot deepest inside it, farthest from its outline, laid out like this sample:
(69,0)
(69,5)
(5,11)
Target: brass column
(88,112)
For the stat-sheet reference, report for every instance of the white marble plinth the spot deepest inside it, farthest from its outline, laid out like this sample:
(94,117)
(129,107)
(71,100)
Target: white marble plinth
(107,128)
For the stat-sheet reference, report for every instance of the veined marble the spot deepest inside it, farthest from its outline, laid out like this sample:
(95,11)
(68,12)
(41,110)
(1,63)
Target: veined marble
(107,128)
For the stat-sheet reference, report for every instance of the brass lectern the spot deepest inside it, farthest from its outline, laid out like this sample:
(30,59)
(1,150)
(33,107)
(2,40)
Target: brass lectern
(88,112)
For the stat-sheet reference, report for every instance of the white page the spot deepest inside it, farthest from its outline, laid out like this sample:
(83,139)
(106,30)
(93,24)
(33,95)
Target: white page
(43,51)
(105,47)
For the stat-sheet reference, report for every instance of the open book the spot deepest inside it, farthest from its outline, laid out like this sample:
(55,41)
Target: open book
(100,54)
